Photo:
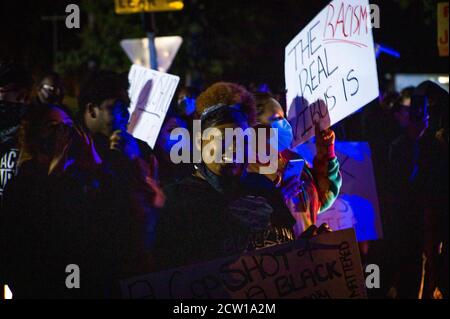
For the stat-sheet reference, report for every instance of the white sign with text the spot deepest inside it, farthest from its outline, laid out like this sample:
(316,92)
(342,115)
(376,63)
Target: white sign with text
(150,93)
(330,68)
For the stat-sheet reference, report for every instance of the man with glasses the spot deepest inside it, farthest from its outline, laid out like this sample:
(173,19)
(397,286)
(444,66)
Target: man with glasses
(51,89)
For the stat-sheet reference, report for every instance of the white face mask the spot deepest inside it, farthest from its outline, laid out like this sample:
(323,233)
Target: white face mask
(285,134)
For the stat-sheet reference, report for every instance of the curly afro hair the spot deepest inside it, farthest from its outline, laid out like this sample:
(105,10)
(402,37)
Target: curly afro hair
(228,94)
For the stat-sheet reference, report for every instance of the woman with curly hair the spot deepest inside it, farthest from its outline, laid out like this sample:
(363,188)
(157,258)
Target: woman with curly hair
(228,94)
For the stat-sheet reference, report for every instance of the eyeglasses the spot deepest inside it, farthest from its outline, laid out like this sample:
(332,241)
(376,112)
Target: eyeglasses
(51,88)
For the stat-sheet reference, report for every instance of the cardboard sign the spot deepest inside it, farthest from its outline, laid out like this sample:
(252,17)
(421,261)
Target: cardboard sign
(330,68)
(357,205)
(443,28)
(137,6)
(150,93)
(324,267)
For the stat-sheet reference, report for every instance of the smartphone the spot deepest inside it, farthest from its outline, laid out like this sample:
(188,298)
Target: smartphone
(293,168)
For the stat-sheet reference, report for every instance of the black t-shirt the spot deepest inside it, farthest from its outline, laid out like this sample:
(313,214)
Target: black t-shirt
(9,155)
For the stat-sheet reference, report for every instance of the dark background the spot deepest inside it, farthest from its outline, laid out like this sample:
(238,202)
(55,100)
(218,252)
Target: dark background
(236,40)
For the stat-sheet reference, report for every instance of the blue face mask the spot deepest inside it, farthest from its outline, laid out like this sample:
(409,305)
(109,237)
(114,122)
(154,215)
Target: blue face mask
(285,134)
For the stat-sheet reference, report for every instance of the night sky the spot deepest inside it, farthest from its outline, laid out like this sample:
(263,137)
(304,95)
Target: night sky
(258,41)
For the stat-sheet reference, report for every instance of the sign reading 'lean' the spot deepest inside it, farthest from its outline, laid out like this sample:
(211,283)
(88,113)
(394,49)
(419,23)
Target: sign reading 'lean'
(137,6)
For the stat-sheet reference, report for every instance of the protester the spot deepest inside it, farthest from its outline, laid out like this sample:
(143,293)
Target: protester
(436,224)
(319,185)
(197,223)
(228,94)
(78,210)
(51,89)
(280,229)
(417,164)
(187,98)
(210,214)
(168,171)
(104,114)
(44,233)
(87,203)
(93,199)
(15,87)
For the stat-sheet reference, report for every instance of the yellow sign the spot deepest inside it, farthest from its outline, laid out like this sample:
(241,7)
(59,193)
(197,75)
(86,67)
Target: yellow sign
(443,28)
(137,6)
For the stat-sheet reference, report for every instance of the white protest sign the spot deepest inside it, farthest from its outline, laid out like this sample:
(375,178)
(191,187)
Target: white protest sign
(330,68)
(325,267)
(357,205)
(150,93)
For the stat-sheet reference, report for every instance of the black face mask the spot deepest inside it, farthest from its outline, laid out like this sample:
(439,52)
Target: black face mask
(223,184)
(10,116)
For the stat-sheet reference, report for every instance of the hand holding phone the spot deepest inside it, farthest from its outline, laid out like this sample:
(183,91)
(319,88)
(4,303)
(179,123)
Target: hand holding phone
(293,169)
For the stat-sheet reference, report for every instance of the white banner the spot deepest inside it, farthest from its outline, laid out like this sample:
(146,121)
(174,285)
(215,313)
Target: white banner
(150,93)
(330,68)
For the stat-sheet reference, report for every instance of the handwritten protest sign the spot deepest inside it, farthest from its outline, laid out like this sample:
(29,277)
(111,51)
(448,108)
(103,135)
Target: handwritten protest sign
(330,68)
(357,205)
(327,266)
(150,93)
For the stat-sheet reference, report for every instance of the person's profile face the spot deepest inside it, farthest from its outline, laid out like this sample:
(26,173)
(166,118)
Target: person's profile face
(113,115)
(272,112)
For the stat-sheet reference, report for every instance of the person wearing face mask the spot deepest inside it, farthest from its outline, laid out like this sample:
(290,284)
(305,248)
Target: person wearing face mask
(187,98)
(15,87)
(316,188)
(282,223)
(206,216)
(51,90)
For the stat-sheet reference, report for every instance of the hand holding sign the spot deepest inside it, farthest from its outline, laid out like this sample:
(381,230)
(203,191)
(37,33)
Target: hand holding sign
(330,68)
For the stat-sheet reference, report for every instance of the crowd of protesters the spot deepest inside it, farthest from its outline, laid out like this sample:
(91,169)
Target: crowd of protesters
(408,134)
(77,188)
(415,198)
